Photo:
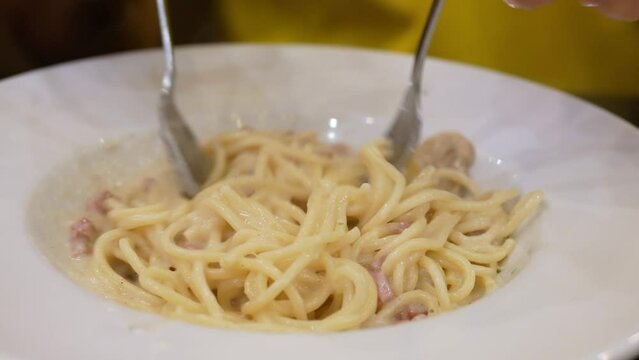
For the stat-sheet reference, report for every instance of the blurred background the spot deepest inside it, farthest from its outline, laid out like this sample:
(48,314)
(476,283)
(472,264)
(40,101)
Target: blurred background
(562,45)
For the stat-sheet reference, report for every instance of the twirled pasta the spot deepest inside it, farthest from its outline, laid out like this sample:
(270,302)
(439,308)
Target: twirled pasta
(292,234)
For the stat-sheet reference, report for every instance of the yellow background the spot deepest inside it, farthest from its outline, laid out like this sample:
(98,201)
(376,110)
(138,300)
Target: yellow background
(563,45)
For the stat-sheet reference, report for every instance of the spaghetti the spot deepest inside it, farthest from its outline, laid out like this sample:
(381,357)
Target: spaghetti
(290,234)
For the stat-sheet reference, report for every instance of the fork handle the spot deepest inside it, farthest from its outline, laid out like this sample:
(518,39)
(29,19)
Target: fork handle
(167,45)
(424,43)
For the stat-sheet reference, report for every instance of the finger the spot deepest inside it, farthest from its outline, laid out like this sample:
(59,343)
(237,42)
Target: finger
(527,4)
(616,9)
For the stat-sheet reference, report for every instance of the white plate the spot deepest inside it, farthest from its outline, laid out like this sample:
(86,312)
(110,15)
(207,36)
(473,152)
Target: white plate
(578,295)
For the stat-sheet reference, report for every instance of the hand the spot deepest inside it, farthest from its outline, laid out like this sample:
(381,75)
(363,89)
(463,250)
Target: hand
(616,9)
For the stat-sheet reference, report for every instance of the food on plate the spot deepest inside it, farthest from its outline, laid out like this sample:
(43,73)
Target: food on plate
(292,234)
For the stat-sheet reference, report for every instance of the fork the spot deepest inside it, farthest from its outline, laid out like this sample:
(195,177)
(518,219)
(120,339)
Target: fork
(192,166)
(405,130)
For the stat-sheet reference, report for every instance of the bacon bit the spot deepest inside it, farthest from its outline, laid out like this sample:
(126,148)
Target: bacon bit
(148,184)
(411,312)
(385,294)
(335,150)
(97,205)
(399,227)
(325,153)
(340,149)
(384,291)
(249,192)
(192,246)
(444,150)
(475,233)
(82,235)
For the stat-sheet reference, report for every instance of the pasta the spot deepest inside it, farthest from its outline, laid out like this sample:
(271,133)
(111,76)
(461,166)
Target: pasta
(291,234)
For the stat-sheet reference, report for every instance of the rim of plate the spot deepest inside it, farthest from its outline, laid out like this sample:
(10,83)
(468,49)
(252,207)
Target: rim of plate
(575,298)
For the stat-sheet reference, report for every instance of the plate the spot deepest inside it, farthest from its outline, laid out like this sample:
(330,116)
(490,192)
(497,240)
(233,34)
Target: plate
(575,296)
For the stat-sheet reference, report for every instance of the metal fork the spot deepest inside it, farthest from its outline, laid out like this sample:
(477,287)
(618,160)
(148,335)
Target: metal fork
(405,130)
(192,166)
